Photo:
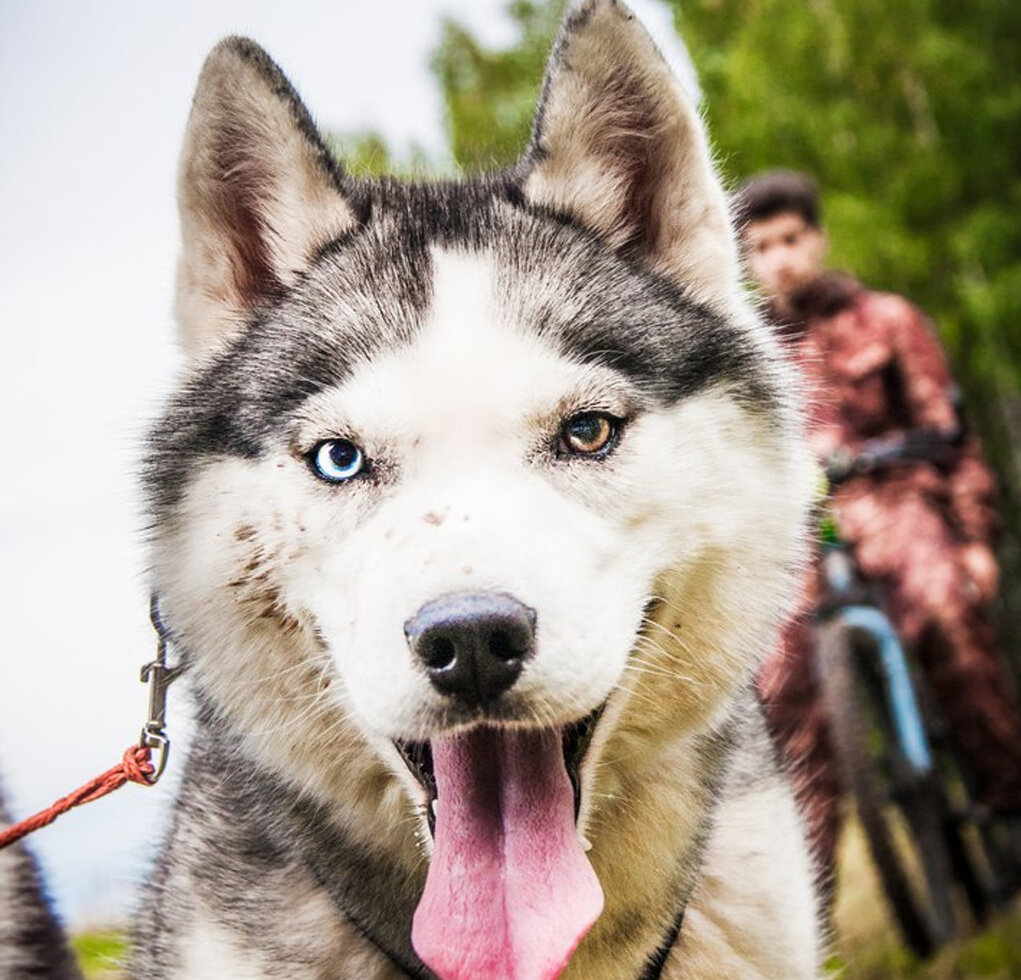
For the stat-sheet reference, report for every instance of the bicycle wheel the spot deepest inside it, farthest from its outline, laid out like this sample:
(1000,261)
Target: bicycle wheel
(902,815)
(980,861)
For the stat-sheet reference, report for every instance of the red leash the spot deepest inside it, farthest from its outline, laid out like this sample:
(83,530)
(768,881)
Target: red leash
(136,766)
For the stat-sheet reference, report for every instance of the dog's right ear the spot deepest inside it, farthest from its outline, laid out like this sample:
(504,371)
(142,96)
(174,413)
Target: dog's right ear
(619,147)
(258,194)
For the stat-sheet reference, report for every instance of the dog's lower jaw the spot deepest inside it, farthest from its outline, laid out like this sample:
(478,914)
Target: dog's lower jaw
(509,892)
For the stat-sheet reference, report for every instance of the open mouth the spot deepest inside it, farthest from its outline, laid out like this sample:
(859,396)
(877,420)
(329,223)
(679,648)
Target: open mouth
(575,737)
(510,891)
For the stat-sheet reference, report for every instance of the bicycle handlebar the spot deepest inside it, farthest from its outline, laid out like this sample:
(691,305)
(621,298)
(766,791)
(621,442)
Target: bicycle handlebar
(918,446)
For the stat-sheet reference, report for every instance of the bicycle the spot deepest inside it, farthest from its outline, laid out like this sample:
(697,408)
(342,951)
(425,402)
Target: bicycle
(925,837)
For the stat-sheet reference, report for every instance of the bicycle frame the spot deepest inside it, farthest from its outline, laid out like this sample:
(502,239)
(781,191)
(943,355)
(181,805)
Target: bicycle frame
(844,604)
(882,738)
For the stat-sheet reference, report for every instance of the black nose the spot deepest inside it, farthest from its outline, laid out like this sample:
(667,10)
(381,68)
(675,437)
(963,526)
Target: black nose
(473,644)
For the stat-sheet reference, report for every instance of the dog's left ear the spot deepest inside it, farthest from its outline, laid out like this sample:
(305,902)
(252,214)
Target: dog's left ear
(618,145)
(258,194)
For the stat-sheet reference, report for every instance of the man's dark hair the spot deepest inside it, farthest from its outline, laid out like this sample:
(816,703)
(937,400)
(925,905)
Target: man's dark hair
(776,192)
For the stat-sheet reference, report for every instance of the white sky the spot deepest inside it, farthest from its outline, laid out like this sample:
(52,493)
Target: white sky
(94,101)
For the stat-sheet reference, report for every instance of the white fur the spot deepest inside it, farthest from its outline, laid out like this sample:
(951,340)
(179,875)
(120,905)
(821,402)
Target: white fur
(730,931)
(583,543)
(212,951)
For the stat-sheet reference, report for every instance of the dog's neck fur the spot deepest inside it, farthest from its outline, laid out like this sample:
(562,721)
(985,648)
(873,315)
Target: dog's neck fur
(374,889)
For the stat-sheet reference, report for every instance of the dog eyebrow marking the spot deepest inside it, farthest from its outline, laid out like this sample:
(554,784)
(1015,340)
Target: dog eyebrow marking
(372,294)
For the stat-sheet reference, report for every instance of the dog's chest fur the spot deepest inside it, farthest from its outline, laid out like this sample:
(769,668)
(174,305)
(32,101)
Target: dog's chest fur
(310,899)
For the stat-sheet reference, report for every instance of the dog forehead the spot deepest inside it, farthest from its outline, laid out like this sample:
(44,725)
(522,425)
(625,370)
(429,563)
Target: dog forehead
(468,325)
(471,354)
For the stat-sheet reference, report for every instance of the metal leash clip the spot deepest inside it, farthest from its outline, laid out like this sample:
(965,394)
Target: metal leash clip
(159,677)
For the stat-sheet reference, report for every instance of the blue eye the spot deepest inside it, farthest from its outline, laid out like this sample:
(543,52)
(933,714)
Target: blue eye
(337,460)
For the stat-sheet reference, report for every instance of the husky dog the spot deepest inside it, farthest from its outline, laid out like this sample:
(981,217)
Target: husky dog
(473,516)
(32,946)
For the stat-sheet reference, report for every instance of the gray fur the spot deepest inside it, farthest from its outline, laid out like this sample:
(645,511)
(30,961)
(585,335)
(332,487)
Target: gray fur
(32,945)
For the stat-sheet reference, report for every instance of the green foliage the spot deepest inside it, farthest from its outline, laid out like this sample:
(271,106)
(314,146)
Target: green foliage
(490,95)
(994,954)
(366,154)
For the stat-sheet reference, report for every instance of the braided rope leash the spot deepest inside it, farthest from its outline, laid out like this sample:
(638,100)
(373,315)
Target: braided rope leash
(136,766)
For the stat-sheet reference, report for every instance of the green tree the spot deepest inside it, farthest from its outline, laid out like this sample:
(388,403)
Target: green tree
(490,96)
(366,154)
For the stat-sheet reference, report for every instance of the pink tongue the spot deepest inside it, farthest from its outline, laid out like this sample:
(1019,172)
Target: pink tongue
(510,892)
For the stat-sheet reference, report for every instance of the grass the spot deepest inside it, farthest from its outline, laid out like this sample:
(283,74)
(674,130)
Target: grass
(100,953)
(867,946)
(994,954)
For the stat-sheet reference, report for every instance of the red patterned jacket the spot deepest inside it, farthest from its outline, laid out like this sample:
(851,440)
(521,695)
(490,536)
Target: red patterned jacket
(873,370)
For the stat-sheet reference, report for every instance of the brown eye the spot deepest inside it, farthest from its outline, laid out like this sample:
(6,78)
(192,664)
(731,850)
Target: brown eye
(589,434)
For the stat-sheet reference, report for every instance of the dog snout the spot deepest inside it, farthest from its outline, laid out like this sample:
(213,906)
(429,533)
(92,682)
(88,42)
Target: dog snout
(473,645)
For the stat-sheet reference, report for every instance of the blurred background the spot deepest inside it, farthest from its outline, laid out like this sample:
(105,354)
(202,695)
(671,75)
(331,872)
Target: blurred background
(907,113)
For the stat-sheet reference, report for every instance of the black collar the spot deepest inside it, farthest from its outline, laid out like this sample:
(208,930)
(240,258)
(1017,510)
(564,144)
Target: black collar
(655,967)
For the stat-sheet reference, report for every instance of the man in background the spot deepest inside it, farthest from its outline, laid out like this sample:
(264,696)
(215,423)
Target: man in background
(924,532)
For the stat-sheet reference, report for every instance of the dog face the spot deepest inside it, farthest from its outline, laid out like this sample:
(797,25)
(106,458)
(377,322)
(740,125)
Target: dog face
(507,454)
(483,490)
(468,476)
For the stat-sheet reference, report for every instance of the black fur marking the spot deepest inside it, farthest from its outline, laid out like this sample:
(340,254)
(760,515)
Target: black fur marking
(658,962)
(370,291)
(596,305)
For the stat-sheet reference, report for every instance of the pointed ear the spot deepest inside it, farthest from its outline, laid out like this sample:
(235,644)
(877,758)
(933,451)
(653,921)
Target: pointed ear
(618,145)
(258,194)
